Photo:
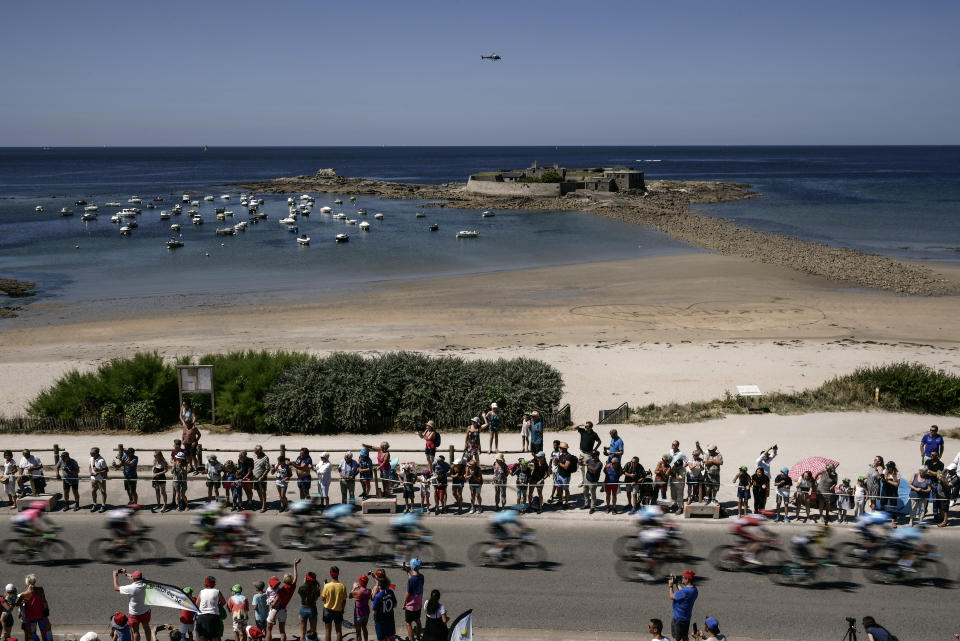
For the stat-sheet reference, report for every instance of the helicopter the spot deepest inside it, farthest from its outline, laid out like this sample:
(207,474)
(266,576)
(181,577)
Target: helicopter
(492,56)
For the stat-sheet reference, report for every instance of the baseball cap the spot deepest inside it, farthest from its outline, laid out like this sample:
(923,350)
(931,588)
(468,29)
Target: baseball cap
(188,590)
(255,633)
(493,406)
(274,582)
(11,587)
(712,624)
(136,574)
(541,454)
(120,619)
(689,574)
(952,466)
(237,588)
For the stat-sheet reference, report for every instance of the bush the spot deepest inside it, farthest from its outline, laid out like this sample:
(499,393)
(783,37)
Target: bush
(402,390)
(141,416)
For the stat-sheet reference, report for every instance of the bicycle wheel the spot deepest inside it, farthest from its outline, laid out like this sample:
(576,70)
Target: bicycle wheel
(430,554)
(722,558)
(184,543)
(680,549)
(772,559)
(365,546)
(150,549)
(17,552)
(784,575)
(57,551)
(933,572)
(477,553)
(530,553)
(850,554)
(103,551)
(286,536)
(625,547)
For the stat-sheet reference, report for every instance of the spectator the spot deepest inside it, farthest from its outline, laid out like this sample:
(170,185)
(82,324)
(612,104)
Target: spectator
(615,449)
(611,483)
(655,627)
(9,478)
(98,479)
(661,477)
(804,494)
(934,465)
(766,456)
(413,600)
(159,482)
(522,470)
(471,440)
(783,483)
(261,468)
(309,592)
(408,477)
(475,482)
(303,465)
(431,441)
(742,479)
(69,470)
(441,469)
(384,603)
(179,481)
(138,612)
(632,476)
(35,611)
(951,481)
(261,609)
(458,477)
(826,481)
(683,601)
(919,495)
(695,469)
(425,480)
(589,441)
(525,432)
(245,474)
(500,473)
(566,466)
(209,626)
(348,469)
(188,618)
(536,433)
(678,476)
(361,607)
(282,480)
(365,472)
(890,491)
(860,497)
(930,443)
(324,473)
(711,630)
(875,631)
(492,421)
(437,619)
(239,608)
(874,482)
(593,469)
(538,477)
(383,466)
(760,484)
(31,469)
(712,466)
(191,435)
(282,593)
(554,459)
(128,467)
(844,493)
(8,606)
(214,478)
(940,497)
(119,627)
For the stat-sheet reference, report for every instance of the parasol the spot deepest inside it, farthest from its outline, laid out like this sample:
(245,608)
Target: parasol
(814,465)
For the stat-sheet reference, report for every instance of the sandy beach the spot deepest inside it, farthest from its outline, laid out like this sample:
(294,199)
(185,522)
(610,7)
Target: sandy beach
(674,328)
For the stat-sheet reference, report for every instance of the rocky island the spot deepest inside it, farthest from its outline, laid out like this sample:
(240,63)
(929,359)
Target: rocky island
(664,205)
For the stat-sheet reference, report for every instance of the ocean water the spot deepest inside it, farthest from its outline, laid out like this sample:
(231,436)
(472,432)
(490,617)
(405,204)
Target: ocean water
(899,201)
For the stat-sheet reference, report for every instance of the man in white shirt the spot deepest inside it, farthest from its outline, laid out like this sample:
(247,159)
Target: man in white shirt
(765,457)
(324,470)
(31,467)
(98,478)
(138,612)
(655,628)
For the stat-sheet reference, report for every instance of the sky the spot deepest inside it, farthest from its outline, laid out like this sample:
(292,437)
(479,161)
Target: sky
(291,72)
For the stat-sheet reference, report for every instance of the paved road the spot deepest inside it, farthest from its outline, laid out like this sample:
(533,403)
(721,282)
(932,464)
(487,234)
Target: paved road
(577,590)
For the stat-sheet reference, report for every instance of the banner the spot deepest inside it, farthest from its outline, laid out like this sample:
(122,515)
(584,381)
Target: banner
(462,628)
(167,596)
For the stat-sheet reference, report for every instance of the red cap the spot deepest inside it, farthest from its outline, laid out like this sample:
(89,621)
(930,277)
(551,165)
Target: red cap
(274,582)
(311,577)
(689,574)
(120,619)
(209,582)
(334,573)
(255,632)
(136,575)
(363,580)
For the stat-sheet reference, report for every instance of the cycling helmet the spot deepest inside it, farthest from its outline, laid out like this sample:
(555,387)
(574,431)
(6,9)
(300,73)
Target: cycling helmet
(649,513)
(415,563)
(753,519)
(39,506)
(877,517)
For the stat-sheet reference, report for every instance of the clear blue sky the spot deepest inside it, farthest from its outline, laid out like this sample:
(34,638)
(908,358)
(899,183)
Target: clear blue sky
(277,72)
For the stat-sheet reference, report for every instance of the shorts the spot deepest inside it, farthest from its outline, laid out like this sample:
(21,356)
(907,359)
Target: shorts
(99,486)
(430,453)
(259,486)
(563,482)
(133,620)
(385,629)
(743,492)
(213,484)
(457,486)
(360,620)
(308,612)
(332,616)
(303,483)
(281,485)
(208,626)
(783,494)
(632,489)
(187,628)
(239,625)
(408,494)
(277,616)
(130,485)
(191,450)
(410,616)
(611,487)
(323,489)
(679,629)
(70,483)
(475,487)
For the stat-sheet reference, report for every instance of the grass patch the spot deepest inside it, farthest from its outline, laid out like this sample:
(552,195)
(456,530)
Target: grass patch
(904,387)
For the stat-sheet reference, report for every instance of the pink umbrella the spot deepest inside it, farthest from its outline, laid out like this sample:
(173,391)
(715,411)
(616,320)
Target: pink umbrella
(814,465)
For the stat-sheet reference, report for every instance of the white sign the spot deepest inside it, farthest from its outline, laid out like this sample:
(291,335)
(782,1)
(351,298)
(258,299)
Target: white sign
(195,379)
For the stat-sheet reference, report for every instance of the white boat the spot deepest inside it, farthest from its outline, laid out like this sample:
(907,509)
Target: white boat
(113,203)
(290,200)
(420,214)
(466,233)
(289,220)
(164,215)
(173,243)
(226,231)
(326,210)
(194,203)
(128,213)
(362,212)
(38,208)
(228,214)
(303,239)
(177,209)
(351,221)
(209,199)
(186,198)
(364,226)
(353,199)
(342,238)
(193,212)
(125,230)
(64,211)
(197,219)
(88,216)
(259,201)
(378,216)
(135,210)
(115,218)
(488,214)
(175,227)
(136,200)
(340,216)
(225,197)
(338,201)
(306,197)
(241,226)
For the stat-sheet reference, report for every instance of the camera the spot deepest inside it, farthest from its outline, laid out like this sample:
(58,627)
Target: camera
(164,626)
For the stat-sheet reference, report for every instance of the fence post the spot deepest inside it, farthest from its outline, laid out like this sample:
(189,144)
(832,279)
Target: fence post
(199,454)
(283,450)
(376,482)
(56,453)
(120,451)
(453,453)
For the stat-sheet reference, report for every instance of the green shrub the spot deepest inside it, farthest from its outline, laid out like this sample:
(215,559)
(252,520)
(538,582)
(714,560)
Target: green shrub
(141,416)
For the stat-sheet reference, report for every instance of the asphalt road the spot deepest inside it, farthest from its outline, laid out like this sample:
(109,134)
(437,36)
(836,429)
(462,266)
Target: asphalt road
(576,590)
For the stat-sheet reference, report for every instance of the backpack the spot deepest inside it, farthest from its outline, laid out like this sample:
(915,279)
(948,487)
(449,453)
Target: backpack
(436,438)
(573,463)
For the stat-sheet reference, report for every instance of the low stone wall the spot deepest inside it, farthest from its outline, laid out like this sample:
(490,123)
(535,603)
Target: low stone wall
(533,190)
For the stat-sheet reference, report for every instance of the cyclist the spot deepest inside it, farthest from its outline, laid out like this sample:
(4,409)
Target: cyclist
(906,541)
(122,525)
(800,546)
(31,523)
(230,531)
(874,528)
(650,516)
(504,527)
(751,536)
(405,529)
(301,510)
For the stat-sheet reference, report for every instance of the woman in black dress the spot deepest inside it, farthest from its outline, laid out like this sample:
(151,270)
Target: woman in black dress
(435,628)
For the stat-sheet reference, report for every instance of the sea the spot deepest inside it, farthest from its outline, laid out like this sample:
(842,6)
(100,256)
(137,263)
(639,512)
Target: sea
(898,201)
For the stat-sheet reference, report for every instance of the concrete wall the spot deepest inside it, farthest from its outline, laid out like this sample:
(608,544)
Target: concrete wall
(513,188)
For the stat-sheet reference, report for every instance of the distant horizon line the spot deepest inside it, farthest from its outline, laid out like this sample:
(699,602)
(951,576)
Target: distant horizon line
(830,146)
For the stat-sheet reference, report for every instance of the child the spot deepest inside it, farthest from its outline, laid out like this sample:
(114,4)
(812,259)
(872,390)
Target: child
(119,630)
(844,499)
(860,497)
(365,472)
(188,618)
(500,473)
(522,471)
(229,481)
(384,603)
(440,471)
(180,481)
(240,607)
(742,479)
(409,478)
(361,607)
(475,482)
(260,606)
(214,474)
(525,432)
(783,483)
(611,484)
(425,491)
(8,606)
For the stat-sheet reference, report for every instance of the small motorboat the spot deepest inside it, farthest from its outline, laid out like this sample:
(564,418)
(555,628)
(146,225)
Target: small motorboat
(353,199)
(340,216)
(38,208)
(128,213)
(79,203)
(158,199)
(303,239)
(175,227)
(193,212)
(433,227)
(378,216)
(115,218)
(351,221)
(194,203)
(88,216)
(362,212)
(66,212)
(164,215)
(466,233)
(113,203)
(135,210)
(221,217)
(228,214)
(208,199)
(197,219)
(241,226)
(136,200)
(488,214)
(151,206)
(186,198)
(226,231)
(342,238)
(125,230)
(177,210)
(174,243)
(290,200)
(289,220)
(259,201)
(224,196)
(326,210)
(420,214)
(338,201)
(306,197)
(364,226)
